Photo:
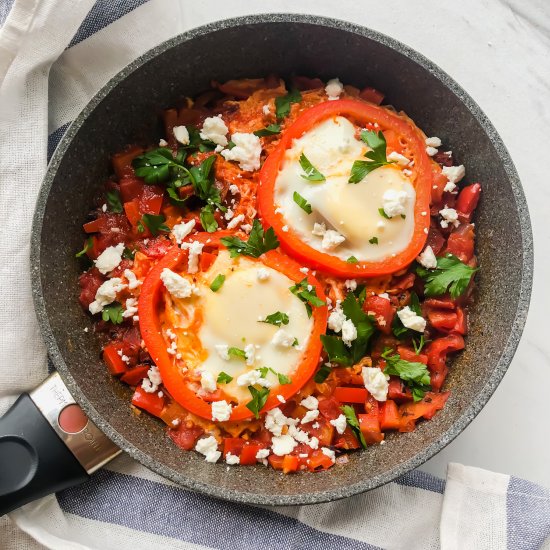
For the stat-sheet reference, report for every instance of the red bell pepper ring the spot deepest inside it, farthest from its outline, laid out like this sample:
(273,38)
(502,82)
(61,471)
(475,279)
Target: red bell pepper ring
(174,380)
(362,113)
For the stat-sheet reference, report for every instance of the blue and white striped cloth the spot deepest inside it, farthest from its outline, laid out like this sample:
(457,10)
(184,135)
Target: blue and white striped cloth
(54,56)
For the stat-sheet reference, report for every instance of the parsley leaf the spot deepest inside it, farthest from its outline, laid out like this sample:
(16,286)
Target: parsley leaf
(259,397)
(283,378)
(451,275)
(415,374)
(301,202)
(377,156)
(365,328)
(283,103)
(307,295)
(237,353)
(114,202)
(202,179)
(208,221)
(154,223)
(310,172)
(224,378)
(336,350)
(87,246)
(270,130)
(217,283)
(351,417)
(382,212)
(113,312)
(352,260)
(278,318)
(174,197)
(128,253)
(322,374)
(158,165)
(258,242)
(374,240)
(418,346)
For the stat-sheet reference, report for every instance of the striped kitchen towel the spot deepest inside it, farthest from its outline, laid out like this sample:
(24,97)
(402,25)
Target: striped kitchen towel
(54,56)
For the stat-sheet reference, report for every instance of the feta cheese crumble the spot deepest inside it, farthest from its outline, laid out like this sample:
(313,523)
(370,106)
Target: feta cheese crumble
(310,416)
(152,382)
(133,281)
(131,308)
(427,258)
(311,403)
(262,274)
(349,332)
(246,152)
(340,424)
(449,187)
(208,382)
(235,221)
(110,258)
(177,286)
(208,446)
(431,151)
(251,378)
(336,319)
(181,134)
(232,459)
(400,159)
(329,452)
(454,173)
(282,339)
(351,284)
(376,382)
(394,202)
(215,129)
(221,411)
(411,320)
(195,250)
(250,354)
(223,351)
(433,142)
(106,294)
(334,88)
(283,445)
(450,216)
(181,230)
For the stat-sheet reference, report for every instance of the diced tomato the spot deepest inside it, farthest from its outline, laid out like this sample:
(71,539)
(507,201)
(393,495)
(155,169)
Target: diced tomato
(330,408)
(442,319)
(249,452)
(370,428)
(350,395)
(89,282)
(440,303)
(94,226)
(276,462)
(122,162)
(435,239)
(437,355)
(383,312)
(397,390)
(156,247)
(150,402)
(372,95)
(233,445)
(467,201)
(290,464)
(319,461)
(113,360)
(389,416)
(131,188)
(462,321)
(134,376)
(347,441)
(150,200)
(411,412)
(407,354)
(324,432)
(206,260)
(461,242)
(185,437)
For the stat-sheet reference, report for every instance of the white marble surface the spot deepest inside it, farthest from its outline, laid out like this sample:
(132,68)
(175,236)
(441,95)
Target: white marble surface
(499,51)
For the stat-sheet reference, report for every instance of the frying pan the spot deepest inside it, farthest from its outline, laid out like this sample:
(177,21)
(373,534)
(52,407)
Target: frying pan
(45,455)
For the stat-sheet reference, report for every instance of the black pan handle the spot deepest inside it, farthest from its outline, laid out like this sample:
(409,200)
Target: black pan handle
(47,444)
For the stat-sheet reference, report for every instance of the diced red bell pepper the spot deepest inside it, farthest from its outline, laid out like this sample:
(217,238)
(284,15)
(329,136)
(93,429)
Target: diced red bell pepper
(407,354)
(134,376)
(206,260)
(440,303)
(113,360)
(122,162)
(461,242)
(411,412)
(397,390)
(94,226)
(439,183)
(350,395)
(383,312)
(389,416)
(347,441)
(150,402)
(150,200)
(370,428)
(319,461)
(131,188)
(442,319)
(290,464)
(330,408)
(89,282)
(324,432)
(275,461)
(249,452)
(131,209)
(467,201)
(372,95)
(233,445)
(185,437)
(435,240)
(462,321)
(437,355)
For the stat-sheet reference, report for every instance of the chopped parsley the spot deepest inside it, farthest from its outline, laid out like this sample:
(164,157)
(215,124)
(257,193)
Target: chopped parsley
(310,172)
(374,240)
(353,423)
(301,202)
(259,397)
(382,212)
(283,103)
(377,156)
(128,253)
(153,222)
(270,130)
(113,202)
(224,378)
(159,165)
(113,312)
(415,374)
(278,318)
(450,275)
(322,374)
(352,260)
(419,344)
(258,242)
(87,246)
(307,294)
(237,353)
(283,378)
(217,283)
(208,221)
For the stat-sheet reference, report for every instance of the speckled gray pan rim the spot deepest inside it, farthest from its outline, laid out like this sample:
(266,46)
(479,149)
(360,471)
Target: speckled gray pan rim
(463,416)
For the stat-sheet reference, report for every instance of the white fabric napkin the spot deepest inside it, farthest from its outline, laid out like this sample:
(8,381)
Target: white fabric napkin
(54,55)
